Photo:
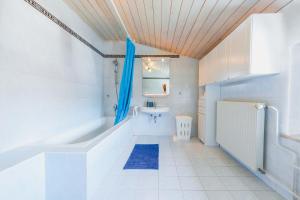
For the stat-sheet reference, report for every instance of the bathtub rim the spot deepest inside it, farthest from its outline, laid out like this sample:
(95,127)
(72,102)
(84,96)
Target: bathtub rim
(81,146)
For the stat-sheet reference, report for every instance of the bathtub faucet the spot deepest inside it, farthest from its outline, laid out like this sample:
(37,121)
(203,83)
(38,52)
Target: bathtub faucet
(115,109)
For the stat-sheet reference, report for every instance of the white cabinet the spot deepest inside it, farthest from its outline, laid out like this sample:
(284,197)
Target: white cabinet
(208,97)
(221,64)
(202,72)
(239,51)
(201,127)
(255,48)
(207,68)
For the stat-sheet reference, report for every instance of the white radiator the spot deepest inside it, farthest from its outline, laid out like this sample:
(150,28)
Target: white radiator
(240,131)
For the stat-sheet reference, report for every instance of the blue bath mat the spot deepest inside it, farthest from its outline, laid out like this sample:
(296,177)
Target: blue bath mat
(143,156)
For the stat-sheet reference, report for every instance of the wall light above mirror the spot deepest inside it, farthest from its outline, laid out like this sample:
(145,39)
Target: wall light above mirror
(156,76)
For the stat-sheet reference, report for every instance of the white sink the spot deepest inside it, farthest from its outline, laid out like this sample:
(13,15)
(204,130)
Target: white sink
(155,110)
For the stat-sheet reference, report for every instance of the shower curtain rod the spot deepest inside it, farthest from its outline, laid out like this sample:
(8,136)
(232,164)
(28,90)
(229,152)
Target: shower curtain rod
(46,13)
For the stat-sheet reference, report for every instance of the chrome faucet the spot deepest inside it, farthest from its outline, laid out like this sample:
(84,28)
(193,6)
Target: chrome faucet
(115,109)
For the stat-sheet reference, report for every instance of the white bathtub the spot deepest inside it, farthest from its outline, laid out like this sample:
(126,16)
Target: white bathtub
(86,133)
(80,159)
(71,166)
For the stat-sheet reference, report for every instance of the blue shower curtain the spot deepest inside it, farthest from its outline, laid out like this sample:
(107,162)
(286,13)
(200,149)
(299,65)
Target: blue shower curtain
(126,83)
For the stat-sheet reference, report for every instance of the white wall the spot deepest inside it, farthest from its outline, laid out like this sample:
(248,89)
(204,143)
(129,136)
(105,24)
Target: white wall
(49,81)
(275,91)
(182,99)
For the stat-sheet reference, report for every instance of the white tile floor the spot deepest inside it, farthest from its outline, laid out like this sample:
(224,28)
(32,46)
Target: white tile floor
(187,171)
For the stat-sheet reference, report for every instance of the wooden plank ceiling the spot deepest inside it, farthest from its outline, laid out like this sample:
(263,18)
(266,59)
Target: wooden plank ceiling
(100,16)
(186,27)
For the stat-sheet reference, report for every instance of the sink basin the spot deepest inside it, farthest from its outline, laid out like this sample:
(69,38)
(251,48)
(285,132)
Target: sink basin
(154,110)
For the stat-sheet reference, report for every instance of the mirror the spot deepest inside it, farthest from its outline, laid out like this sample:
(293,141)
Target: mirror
(156,76)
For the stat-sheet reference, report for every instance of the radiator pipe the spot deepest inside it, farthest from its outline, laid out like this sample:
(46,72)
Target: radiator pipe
(294,156)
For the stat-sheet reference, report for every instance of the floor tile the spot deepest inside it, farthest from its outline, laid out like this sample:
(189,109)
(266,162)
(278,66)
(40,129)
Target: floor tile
(194,195)
(139,172)
(200,155)
(190,183)
(199,161)
(267,195)
(167,171)
(222,162)
(213,152)
(253,183)
(211,183)
(179,152)
(224,171)
(182,161)
(243,195)
(170,195)
(126,194)
(239,171)
(204,171)
(186,171)
(123,194)
(233,183)
(219,195)
(147,140)
(169,183)
(166,160)
(146,195)
(138,182)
